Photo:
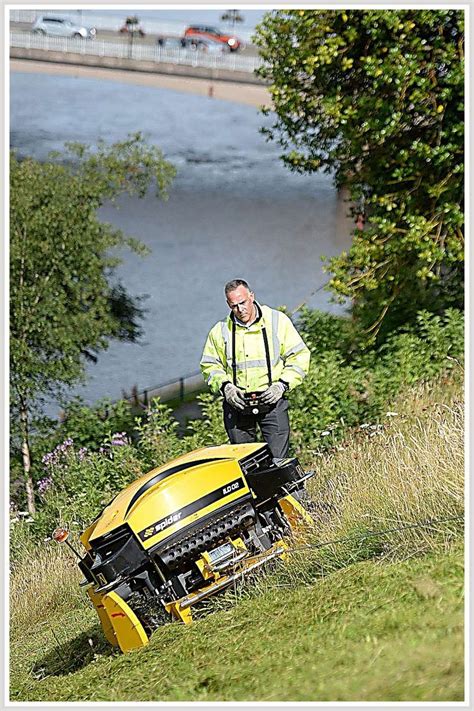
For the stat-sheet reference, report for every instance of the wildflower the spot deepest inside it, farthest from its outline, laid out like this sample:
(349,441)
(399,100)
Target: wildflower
(44,484)
(49,458)
(65,445)
(82,453)
(119,439)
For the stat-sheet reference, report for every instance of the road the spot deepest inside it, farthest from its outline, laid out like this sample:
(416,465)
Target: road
(111,36)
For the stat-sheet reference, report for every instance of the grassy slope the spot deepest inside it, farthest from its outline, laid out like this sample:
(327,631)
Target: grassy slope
(369,632)
(328,626)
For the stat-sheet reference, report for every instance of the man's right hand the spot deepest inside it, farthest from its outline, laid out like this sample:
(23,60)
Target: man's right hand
(234,396)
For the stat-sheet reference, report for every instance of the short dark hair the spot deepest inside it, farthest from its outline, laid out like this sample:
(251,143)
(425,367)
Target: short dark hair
(234,284)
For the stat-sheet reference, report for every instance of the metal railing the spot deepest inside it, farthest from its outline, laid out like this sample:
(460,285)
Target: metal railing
(171,390)
(139,52)
(115,22)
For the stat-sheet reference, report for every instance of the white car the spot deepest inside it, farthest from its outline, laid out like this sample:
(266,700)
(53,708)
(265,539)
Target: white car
(61,27)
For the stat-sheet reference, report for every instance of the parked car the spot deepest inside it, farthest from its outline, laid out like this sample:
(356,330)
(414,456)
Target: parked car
(211,46)
(174,42)
(61,27)
(192,44)
(205,32)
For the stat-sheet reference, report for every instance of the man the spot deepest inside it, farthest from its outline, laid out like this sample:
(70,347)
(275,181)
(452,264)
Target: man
(255,349)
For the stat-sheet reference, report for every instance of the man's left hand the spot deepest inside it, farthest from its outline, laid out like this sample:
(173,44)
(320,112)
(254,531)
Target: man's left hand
(273,393)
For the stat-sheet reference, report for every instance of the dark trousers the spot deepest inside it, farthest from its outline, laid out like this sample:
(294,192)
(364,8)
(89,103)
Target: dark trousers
(275,427)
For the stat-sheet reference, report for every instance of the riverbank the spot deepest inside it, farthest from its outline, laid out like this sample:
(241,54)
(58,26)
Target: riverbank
(247,94)
(385,612)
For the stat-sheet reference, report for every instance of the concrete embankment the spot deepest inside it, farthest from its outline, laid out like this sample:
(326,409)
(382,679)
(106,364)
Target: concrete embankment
(136,65)
(252,94)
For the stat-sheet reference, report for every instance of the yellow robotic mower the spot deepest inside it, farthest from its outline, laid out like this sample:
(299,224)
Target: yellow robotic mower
(185,531)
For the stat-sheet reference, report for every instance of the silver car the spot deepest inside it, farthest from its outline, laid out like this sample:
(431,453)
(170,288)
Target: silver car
(61,27)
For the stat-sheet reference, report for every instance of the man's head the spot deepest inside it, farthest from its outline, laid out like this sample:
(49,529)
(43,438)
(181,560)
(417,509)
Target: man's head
(240,300)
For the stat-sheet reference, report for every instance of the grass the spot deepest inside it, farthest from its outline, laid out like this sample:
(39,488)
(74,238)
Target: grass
(410,468)
(373,619)
(375,632)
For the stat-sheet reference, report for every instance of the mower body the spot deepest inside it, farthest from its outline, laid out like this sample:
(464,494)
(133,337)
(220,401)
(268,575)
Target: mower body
(185,531)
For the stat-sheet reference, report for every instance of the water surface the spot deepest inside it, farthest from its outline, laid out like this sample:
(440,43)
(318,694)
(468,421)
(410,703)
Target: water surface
(234,211)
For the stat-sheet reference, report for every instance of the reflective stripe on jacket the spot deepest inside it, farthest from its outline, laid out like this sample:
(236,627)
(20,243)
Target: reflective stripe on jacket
(289,355)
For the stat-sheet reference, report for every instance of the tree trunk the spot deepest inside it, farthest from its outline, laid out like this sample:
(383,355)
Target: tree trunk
(25,451)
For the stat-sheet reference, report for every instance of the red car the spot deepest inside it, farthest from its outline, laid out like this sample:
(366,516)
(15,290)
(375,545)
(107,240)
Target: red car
(204,32)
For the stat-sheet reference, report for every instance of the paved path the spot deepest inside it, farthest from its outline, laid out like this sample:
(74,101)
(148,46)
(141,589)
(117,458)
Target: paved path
(252,95)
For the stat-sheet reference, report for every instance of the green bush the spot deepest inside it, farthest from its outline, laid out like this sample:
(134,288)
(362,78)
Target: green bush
(77,484)
(158,440)
(88,427)
(343,389)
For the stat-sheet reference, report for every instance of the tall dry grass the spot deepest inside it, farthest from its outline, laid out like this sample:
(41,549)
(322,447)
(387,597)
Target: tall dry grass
(408,469)
(43,585)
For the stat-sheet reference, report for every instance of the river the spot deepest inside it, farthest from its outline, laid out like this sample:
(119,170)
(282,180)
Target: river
(234,211)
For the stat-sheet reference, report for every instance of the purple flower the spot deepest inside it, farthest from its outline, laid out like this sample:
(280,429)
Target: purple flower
(51,458)
(82,453)
(44,484)
(119,439)
(64,445)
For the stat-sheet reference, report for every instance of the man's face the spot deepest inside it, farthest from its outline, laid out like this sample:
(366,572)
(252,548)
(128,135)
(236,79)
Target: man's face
(240,301)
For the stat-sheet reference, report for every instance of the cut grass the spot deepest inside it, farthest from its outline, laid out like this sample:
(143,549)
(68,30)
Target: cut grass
(374,632)
(371,619)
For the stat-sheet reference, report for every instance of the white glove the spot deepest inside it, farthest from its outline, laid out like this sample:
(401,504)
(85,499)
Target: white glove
(273,393)
(234,396)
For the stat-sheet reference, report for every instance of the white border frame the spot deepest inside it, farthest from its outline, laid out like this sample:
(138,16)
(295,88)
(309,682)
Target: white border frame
(264,5)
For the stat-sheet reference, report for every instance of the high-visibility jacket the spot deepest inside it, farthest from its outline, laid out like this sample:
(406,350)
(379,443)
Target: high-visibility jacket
(244,355)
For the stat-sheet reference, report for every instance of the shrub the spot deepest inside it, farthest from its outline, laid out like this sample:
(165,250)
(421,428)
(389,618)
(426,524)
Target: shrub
(77,484)
(344,389)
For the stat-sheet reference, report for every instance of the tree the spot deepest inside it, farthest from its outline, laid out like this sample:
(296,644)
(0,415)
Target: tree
(376,98)
(64,306)
(232,16)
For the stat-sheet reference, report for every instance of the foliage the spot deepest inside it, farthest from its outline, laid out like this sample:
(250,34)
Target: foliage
(343,389)
(90,426)
(64,306)
(209,429)
(60,262)
(158,441)
(323,332)
(376,98)
(77,484)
